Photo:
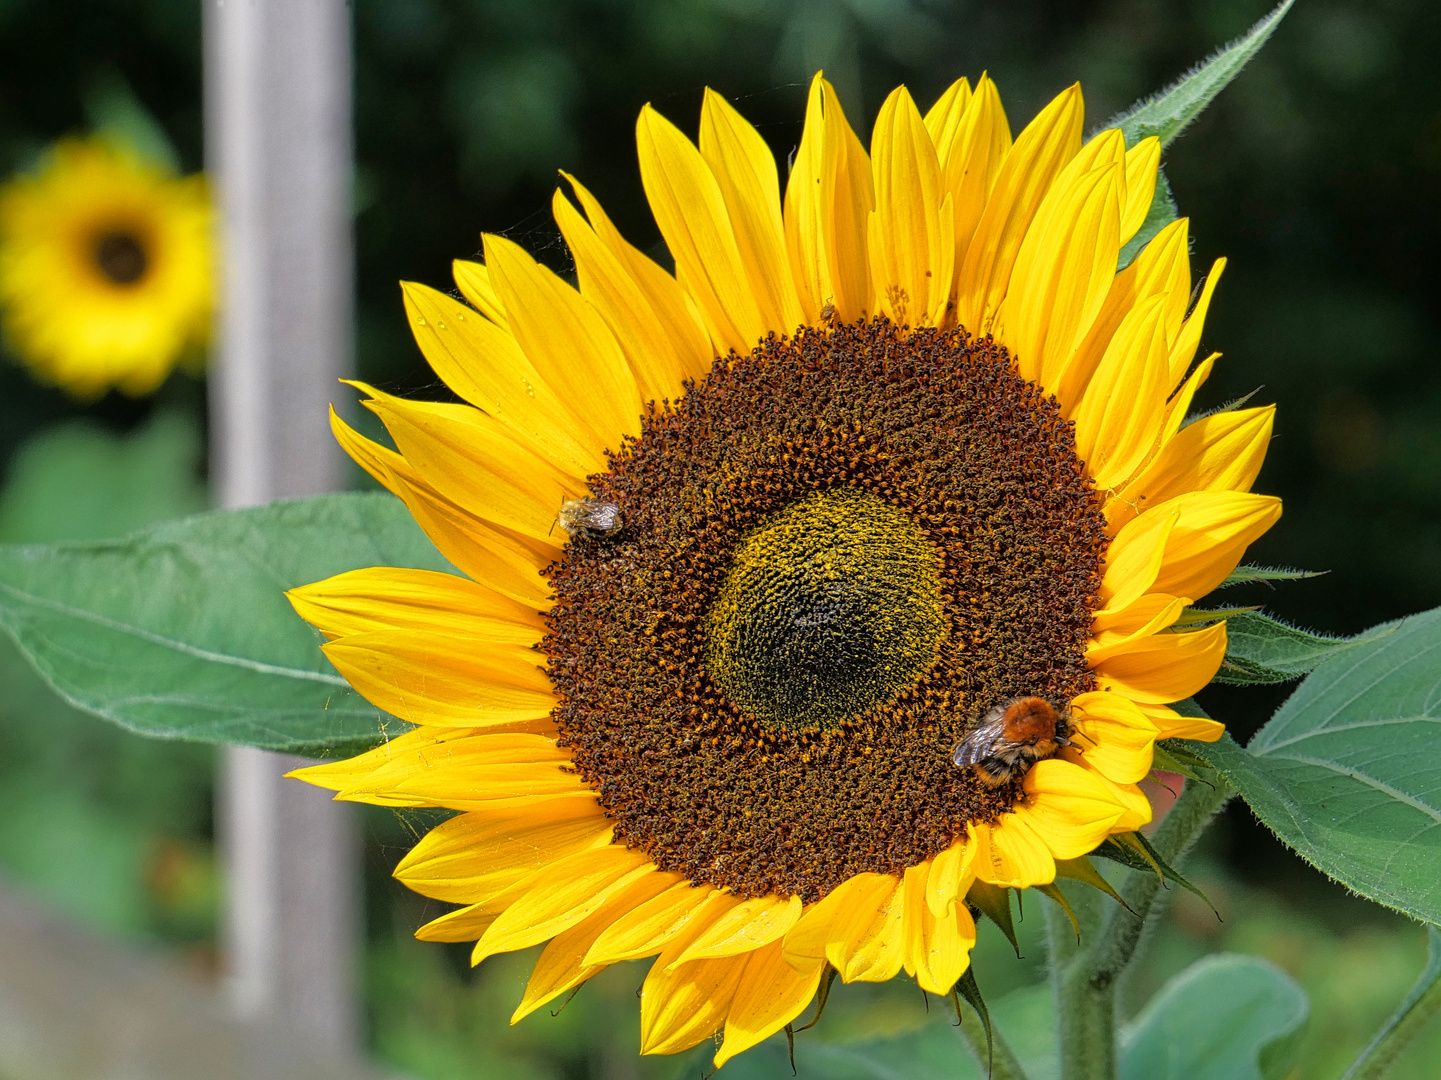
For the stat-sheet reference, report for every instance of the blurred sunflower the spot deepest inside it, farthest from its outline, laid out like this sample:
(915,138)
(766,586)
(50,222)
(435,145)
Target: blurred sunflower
(879,459)
(106,269)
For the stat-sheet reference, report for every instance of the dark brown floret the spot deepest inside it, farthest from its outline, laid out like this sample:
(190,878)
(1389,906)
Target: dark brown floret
(941,428)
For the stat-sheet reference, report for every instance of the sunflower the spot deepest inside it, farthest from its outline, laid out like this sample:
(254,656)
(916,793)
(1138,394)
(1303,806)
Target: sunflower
(879,458)
(106,269)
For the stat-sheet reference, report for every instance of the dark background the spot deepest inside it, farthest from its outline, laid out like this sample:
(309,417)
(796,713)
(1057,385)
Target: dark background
(1317,174)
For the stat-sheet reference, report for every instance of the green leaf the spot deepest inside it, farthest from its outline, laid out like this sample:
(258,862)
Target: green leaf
(1348,771)
(182,631)
(1245,574)
(1260,649)
(1226,1017)
(1168,113)
(115,112)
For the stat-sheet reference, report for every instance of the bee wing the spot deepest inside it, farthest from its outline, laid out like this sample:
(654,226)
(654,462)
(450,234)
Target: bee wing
(981,743)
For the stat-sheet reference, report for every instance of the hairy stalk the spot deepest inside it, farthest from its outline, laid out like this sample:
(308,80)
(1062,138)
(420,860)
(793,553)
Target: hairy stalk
(1113,949)
(1421,1005)
(1000,1058)
(1086,1016)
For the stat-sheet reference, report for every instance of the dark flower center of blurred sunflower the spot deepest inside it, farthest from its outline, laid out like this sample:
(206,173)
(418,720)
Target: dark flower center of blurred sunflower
(121,257)
(838,552)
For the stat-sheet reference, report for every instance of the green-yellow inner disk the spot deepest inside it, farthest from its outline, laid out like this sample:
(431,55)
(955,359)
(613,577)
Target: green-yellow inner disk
(831,608)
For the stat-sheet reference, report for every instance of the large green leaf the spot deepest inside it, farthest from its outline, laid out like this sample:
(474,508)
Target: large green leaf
(1260,649)
(1348,771)
(182,630)
(1225,1017)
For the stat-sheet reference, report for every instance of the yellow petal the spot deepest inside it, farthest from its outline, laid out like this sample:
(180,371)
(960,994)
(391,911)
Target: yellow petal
(1135,808)
(1148,613)
(938,947)
(677,323)
(1163,268)
(1067,807)
(951,874)
(1165,667)
(1042,150)
(747,926)
(499,558)
(384,597)
(1142,162)
(943,119)
(566,341)
(1172,725)
(1179,407)
(471,460)
(911,232)
(971,146)
(646,930)
(745,169)
(1223,452)
(690,211)
(859,927)
(659,363)
(1184,350)
(1162,610)
(473,772)
(429,678)
(1114,736)
(484,365)
(1009,853)
(1212,531)
(1066,263)
(467,924)
(828,203)
(562,965)
(562,895)
(1134,560)
(771,994)
(680,1006)
(475,856)
(473,281)
(1120,414)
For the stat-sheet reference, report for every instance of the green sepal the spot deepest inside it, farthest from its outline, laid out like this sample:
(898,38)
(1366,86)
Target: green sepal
(994,902)
(966,987)
(1171,111)
(1084,871)
(827,978)
(1137,843)
(1171,755)
(1263,650)
(115,113)
(1194,616)
(1060,898)
(1244,575)
(1224,407)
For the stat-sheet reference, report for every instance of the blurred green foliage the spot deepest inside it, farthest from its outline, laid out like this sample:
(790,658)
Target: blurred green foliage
(1317,175)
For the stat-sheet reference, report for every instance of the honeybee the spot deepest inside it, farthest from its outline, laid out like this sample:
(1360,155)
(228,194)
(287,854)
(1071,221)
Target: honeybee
(1012,737)
(591,518)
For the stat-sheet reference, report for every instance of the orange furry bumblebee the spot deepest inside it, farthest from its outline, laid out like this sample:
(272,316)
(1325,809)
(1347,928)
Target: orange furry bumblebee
(1012,737)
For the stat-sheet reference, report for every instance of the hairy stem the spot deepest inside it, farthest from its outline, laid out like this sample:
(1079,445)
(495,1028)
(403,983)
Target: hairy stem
(1420,1006)
(1113,949)
(1000,1059)
(1086,1014)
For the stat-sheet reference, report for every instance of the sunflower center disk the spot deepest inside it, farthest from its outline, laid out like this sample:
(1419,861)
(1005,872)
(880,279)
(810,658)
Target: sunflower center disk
(839,551)
(831,608)
(121,258)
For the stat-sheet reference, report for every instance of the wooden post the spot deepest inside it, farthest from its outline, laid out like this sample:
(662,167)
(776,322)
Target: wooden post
(279,144)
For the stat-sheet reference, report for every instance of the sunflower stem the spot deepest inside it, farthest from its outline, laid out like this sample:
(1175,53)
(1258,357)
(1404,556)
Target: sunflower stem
(1421,1005)
(1085,1013)
(1112,950)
